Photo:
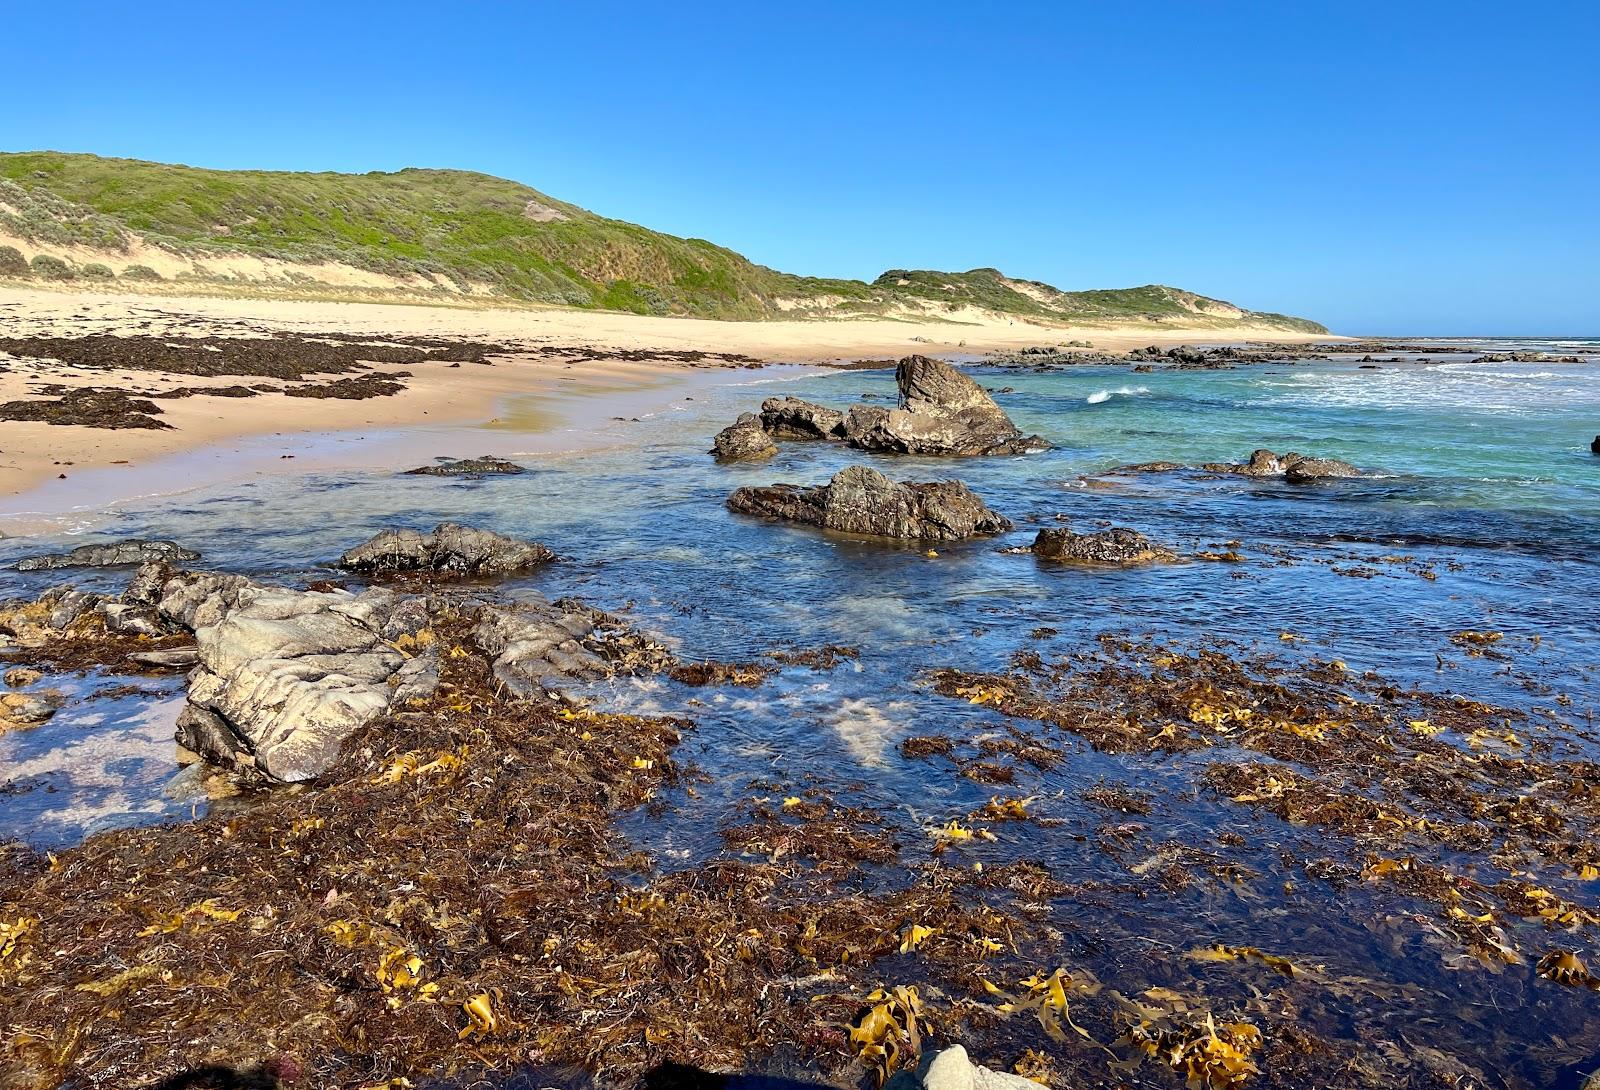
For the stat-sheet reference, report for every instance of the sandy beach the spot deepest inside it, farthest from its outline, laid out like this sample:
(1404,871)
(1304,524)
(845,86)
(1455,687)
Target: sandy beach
(565,355)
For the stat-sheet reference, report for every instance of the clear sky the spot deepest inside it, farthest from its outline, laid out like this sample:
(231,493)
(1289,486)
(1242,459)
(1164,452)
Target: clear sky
(1397,167)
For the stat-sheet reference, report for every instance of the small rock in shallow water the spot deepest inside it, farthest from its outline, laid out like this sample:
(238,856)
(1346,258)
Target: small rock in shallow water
(483,466)
(451,547)
(109,555)
(21,676)
(860,500)
(1117,545)
(28,709)
(744,438)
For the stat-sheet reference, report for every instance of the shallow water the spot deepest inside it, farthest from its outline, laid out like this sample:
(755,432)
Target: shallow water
(1483,479)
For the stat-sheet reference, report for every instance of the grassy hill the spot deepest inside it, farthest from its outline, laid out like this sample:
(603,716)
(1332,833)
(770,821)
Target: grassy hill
(451,232)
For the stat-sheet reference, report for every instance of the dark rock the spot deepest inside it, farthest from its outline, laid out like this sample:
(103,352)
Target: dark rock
(483,466)
(1114,546)
(792,418)
(1594,447)
(1308,470)
(860,500)
(109,555)
(744,438)
(942,411)
(450,548)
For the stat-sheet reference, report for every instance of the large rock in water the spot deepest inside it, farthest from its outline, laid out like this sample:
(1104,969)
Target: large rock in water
(485,465)
(109,555)
(1293,467)
(860,500)
(450,548)
(1594,447)
(1117,545)
(540,648)
(744,438)
(942,411)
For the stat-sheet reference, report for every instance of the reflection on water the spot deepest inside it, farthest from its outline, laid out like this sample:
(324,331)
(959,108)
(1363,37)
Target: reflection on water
(1486,515)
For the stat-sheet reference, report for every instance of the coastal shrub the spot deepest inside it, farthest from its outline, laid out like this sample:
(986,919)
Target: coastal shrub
(96,271)
(51,268)
(12,263)
(140,272)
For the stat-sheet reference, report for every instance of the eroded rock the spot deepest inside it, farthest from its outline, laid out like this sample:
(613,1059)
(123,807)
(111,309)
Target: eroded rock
(451,548)
(860,500)
(744,438)
(941,411)
(540,648)
(1117,545)
(792,418)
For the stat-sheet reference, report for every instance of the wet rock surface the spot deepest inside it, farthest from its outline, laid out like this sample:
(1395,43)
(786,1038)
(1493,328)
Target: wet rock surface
(486,465)
(450,548)
(1118,546)
(109,555)
(1262,464)
(860,500)
(941,412)
(792,418)
(540,648)
(744,438)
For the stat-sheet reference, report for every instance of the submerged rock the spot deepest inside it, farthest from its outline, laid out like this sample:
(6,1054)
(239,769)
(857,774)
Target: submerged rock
(941,411)
(744,438)
(1293,467)
(1117,545)
(860,500)
(451,547)
(483,466)
(109,555)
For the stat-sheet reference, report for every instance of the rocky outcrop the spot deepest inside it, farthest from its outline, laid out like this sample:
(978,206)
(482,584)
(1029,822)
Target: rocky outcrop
(285,677)
(744,438)
(483,466)
(109,555)
(860,500)
(451,548)
(1298,470)
(1117,545)
(1594,447)
(941,411)
(792,418)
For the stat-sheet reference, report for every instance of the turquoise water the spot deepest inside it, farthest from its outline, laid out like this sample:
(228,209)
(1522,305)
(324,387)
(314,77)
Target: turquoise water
(1481,476)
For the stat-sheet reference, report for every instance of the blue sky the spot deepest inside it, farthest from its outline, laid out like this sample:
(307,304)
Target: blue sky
(1387,168)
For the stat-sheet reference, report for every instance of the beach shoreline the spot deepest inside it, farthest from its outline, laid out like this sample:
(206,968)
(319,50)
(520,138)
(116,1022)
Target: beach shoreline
(549,353)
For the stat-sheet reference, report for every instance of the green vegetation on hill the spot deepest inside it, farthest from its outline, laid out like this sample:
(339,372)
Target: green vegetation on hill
(456,231)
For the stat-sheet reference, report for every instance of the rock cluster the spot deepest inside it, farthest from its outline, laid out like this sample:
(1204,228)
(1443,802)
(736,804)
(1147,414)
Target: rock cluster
(1292,467)
(450,548)
(109,555)
(941,411)
(281,678)
(860,500)
(1117,545)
